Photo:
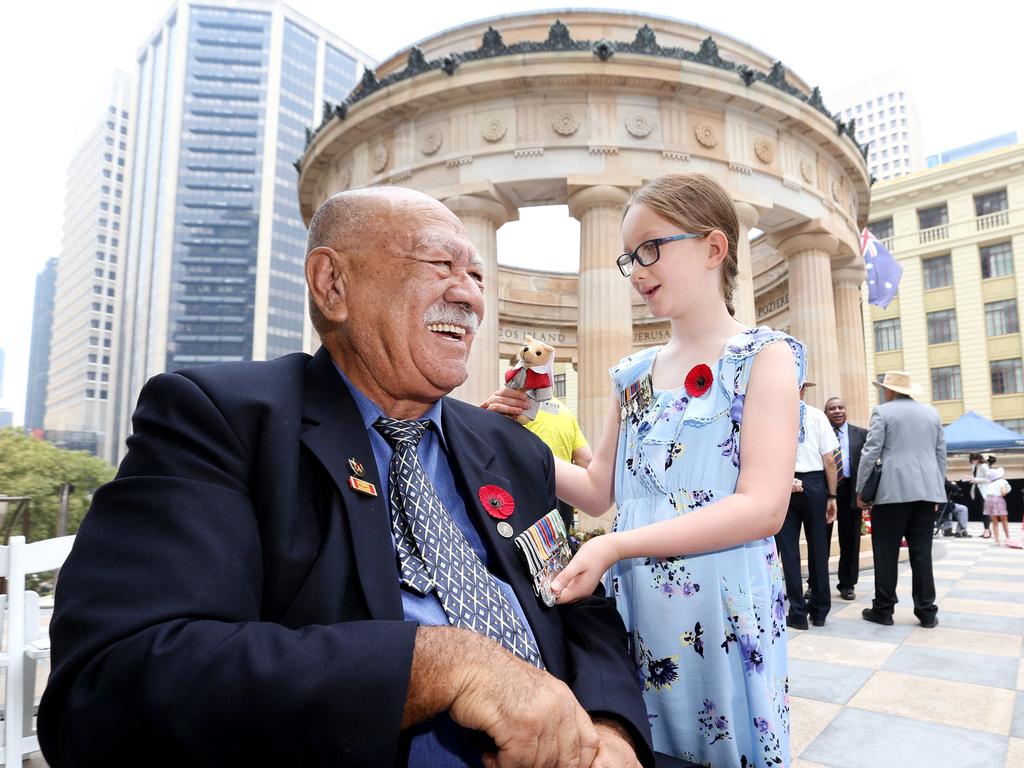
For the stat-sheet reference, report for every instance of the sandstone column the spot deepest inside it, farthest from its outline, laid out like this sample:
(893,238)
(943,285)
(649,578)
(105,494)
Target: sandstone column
(743,296)
(605,325)
(853,375)
(812,314)
(482,217)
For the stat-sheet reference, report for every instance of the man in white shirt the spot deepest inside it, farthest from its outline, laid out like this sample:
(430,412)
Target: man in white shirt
(812,506)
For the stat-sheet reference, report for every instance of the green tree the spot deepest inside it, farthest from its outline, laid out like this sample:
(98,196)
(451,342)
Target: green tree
(30,467)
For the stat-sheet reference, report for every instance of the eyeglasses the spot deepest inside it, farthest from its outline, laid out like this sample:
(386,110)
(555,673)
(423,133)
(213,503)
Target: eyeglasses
(648,252)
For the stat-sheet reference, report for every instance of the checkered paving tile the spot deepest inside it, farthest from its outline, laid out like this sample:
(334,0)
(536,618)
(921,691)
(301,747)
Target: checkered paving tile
(868,696)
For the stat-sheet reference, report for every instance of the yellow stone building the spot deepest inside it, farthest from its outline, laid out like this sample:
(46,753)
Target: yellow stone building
(958,231)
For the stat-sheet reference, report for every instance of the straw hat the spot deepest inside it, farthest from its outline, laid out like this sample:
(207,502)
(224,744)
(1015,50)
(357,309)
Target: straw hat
(898,381)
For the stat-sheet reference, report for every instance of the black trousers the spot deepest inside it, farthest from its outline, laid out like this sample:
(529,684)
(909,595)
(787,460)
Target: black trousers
(849,535)
(976,506)
(807,511)
(890,523)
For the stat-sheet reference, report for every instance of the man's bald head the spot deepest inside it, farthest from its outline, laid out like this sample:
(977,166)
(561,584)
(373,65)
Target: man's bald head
(358,220)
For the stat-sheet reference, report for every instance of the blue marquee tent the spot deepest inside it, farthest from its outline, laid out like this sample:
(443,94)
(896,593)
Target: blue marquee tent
(972,432)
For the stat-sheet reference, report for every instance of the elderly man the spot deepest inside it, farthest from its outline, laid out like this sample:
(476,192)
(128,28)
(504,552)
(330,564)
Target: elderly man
(300,562)
(907,436)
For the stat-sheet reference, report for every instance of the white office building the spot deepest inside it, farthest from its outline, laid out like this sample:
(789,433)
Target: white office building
(886,122)
(86,295)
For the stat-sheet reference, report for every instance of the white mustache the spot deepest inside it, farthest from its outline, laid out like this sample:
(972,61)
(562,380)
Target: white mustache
(452,314)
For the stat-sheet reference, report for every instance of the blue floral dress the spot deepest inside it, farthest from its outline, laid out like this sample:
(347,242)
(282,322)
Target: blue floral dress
(707,631)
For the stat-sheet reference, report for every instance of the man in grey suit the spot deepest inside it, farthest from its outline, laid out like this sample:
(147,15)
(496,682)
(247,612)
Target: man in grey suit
(851,443)
(908,438)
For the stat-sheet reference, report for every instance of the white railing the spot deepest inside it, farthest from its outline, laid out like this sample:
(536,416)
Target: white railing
(933,234)
(887,243)
(26,647)
(993,220)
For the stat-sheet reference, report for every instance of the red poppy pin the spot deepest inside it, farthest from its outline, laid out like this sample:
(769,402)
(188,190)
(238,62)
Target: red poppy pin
(698,380)
(498,502)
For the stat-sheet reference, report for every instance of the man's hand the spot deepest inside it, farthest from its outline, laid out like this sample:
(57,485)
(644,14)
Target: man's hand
(579,578)
(830,510)
(798,485)
(861,503)
(532,717)
(616,747)
(506,401)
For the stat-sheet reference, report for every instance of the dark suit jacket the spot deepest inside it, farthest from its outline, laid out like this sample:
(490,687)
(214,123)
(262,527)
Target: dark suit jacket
(856,437)
(231,601)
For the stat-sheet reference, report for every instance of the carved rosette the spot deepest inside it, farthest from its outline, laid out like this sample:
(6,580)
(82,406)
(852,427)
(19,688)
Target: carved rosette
(431,142)
(837,190)
(494,129)
(764,150)
(379,158)
(807,171)
(706,135)
(566,124)
(639,125)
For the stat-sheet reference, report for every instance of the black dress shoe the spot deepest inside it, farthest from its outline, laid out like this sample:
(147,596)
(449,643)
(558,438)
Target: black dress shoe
(847,594)
(794,623)
(870,614)
(931,623)
(818,622)
(948,532)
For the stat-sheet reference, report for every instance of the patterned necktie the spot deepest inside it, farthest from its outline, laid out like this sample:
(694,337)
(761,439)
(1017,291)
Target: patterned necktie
(837,454)
(434,554)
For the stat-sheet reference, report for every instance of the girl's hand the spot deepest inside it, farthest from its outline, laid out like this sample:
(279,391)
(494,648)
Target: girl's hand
(507,401)
(580,577)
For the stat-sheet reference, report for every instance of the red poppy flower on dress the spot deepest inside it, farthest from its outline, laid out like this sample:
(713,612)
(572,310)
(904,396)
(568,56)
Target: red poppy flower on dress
(497,501)
(698,380)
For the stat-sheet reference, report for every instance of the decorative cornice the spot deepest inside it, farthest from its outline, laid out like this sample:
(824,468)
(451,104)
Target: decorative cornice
(675,154)
(528,152)
(559,40)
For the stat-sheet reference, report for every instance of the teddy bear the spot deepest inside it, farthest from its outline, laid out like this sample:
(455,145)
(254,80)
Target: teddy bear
(532,372)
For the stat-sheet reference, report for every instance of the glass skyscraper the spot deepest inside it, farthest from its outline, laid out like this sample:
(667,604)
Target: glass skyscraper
(39,351)
(216,244)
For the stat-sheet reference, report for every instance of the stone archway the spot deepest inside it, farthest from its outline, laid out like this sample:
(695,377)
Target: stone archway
(580,107)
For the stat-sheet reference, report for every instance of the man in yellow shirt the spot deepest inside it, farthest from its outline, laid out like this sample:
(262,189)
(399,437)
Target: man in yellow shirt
(557,427)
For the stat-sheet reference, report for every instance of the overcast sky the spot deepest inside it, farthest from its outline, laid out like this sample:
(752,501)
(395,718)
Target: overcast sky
(963,62)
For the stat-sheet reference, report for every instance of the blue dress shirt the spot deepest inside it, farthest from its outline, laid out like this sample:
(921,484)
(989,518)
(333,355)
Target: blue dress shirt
(844,442)
(438,742)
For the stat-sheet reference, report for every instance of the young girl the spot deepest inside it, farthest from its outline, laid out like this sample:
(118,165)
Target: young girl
(995,505)
(992,486)
(692,562)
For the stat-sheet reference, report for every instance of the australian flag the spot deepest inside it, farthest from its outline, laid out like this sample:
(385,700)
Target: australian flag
(883,271)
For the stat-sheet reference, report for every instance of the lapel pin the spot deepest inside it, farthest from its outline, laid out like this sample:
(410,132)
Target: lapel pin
(505,530)
(356,467)
(361,486)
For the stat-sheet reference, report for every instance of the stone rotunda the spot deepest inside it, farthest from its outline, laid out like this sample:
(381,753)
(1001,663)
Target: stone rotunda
(578,108)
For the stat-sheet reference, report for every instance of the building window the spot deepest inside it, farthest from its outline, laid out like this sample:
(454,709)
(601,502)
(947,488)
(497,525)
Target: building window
(935,216)
(938,272)
(1007,377)
(881,392)
(887,335)
(1015,425)
(882,229)
(991,202)
(942,326)
(946,383)
(90,393)
(996,260)
(559,385)
(1001,318)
